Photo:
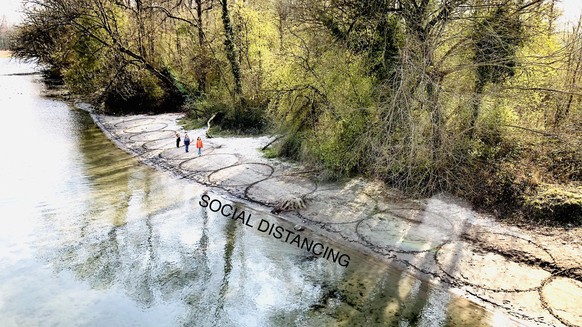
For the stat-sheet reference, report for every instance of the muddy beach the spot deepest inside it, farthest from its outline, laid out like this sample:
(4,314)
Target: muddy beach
(532,274)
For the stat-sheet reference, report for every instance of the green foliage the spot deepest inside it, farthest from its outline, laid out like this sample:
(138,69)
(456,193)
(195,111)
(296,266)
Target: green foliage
(85,73)
(135,91)
(497,38)
(270,153)
(527,179)
(248,120)
(428,96)
(365,28)
(556,203)
(564,162)
(291,147)
(41,40)
(492,177)
(199,111)
(337,149)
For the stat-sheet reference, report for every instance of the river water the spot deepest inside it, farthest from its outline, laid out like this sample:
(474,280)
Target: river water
(90,237)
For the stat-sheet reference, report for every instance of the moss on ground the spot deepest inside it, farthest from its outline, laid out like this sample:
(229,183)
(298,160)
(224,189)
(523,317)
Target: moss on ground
(270,153)
(556,202)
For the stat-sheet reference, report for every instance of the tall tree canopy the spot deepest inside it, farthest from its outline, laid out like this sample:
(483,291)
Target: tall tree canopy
(428,95)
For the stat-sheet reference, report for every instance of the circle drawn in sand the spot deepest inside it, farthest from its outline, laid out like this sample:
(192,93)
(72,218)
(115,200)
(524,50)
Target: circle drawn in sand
(405,230)
(160,144)
(133,122)
(153,136)
(276,189)
(145,128)
(562,297)
(241,174)
(173,153)
(523,249)
(208,162)
(471,265)
(339,205)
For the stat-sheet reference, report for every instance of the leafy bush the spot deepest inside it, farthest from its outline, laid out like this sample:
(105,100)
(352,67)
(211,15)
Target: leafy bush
(337,149)
(249,119)
(137,92)
(290,146)
(556,203)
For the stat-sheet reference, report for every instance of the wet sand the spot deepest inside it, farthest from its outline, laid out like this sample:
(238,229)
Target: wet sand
(534,275)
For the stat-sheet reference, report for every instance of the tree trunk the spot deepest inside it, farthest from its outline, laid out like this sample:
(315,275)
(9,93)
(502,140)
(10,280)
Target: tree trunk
(572,56)
(476,106)
(201,41)
(140,29)
(436,116)
(231,49)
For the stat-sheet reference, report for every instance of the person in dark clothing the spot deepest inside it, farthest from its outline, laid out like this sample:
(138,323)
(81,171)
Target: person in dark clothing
(186,141)
(177,139)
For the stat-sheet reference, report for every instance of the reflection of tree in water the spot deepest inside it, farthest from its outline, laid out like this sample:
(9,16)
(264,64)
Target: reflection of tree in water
(106,251)
(181,280)
(376,297)
(230,230)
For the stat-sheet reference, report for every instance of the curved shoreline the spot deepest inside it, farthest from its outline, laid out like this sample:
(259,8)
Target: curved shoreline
(438,239)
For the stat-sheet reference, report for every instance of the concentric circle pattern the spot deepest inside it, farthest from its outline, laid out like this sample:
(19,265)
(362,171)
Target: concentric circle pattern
(406,230)
(146,128)
(241,174)
(209,162)
(151,136)
(432,236)
(273,190)
(562,297)
(457,259)
(161,144)
(122,125)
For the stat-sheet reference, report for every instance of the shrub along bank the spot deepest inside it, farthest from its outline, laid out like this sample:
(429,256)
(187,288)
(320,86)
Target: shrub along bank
(480,101)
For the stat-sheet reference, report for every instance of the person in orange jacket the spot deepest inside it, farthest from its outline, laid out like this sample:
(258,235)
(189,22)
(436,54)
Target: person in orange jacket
(199,145)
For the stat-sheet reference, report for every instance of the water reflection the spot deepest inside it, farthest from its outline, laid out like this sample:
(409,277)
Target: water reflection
(94,238)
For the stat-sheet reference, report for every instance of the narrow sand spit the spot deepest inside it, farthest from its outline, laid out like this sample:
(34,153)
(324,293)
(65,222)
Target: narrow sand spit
(533,275)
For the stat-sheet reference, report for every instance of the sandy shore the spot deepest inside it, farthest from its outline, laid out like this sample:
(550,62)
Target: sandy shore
(5,54)
(533,275)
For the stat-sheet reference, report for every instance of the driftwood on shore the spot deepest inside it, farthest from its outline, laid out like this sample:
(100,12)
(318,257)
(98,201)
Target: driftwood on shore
(273,141)
(208,126)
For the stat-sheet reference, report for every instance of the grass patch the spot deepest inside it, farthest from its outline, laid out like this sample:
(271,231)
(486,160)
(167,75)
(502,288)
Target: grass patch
(270,153)
(189,123)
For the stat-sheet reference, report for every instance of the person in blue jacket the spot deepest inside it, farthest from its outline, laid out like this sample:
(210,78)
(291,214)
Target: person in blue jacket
(186,141)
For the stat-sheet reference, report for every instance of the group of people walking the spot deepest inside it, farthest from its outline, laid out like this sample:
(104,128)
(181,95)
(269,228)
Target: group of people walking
(199,144)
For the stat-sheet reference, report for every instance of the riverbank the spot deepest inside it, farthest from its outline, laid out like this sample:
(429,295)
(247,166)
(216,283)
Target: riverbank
(534,275)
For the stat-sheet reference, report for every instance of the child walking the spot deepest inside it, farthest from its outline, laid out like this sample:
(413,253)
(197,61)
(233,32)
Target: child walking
(199,145)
